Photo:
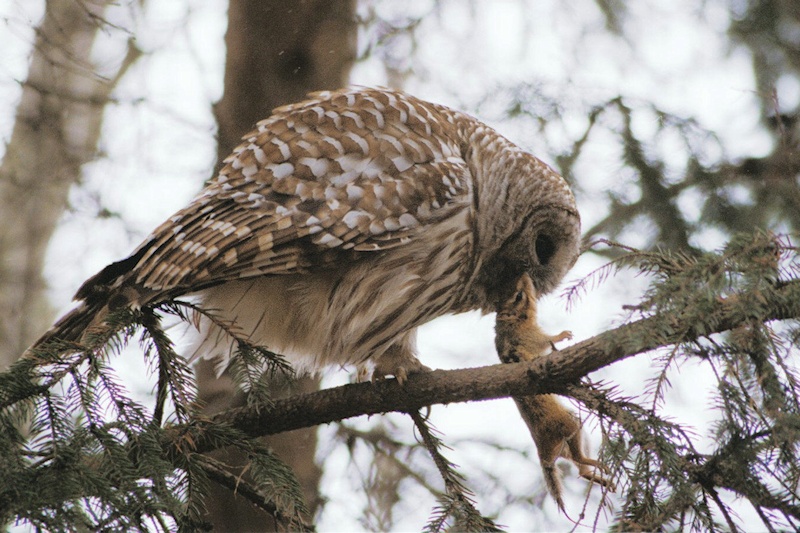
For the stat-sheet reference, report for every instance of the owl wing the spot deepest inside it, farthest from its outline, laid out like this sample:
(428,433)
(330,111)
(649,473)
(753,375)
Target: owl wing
(348,172)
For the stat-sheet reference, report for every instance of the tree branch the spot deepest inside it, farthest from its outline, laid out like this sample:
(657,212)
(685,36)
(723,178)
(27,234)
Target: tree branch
(545,375)
(220,473)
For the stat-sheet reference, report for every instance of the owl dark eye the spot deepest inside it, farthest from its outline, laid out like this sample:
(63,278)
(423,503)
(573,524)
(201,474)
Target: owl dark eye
(545,248)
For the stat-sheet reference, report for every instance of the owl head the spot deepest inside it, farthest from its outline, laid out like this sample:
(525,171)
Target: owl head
(532,228)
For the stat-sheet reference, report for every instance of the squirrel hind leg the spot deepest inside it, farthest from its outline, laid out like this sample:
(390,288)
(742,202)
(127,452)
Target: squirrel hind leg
(594,476)
(585,464)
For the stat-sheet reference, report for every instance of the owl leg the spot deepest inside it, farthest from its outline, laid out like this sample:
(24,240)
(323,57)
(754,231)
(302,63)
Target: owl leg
(398,361)
(399,366)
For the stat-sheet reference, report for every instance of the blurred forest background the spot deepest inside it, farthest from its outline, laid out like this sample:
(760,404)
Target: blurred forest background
(677,125)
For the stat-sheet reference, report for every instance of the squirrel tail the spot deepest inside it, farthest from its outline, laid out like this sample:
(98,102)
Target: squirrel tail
(552,479)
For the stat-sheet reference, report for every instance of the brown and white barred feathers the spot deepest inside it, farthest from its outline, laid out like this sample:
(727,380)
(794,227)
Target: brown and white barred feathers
(342,223)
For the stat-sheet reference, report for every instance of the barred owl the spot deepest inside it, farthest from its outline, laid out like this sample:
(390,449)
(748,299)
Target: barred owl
(343,222)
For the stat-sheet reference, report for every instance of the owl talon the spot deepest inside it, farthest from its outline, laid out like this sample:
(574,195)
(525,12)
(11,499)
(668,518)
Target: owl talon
(563,336)
(400,372)
(362,373)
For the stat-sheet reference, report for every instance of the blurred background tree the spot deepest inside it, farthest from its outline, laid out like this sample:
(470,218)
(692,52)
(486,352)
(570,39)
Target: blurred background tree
(676,125)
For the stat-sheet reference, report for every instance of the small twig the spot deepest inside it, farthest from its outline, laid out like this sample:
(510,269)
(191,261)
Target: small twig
(458,503)
(453,485)
(218,473)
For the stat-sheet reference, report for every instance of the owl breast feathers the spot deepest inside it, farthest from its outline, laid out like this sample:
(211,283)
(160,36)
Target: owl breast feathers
(342,223)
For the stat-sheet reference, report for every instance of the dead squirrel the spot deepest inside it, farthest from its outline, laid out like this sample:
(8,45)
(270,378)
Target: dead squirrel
(555,430)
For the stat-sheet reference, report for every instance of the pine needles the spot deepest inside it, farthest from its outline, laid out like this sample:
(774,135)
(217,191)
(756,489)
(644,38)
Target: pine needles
(457,502)
(756,437)
(78,453)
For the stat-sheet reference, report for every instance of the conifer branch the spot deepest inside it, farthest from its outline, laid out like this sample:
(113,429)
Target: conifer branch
(695,299)
(457,502)
(218,473)
(546,375)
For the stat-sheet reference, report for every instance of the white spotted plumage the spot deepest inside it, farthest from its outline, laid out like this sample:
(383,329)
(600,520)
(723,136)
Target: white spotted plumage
(343,222)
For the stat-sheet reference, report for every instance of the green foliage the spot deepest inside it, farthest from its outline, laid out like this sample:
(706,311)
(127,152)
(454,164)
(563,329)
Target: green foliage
(669,480)
(252,366)
(457,503)
(76,452)
(676,186)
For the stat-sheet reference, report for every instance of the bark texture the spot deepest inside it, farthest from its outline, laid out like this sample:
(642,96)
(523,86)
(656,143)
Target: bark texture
(279,51)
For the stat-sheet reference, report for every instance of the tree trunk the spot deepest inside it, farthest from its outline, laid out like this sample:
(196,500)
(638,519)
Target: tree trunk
(277,52)
(56,131)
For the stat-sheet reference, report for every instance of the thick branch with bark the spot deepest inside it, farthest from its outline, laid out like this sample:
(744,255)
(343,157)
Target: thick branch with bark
(685,324)
(545,375)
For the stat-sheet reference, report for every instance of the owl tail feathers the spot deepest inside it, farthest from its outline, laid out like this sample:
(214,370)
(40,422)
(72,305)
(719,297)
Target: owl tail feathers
(86,326)
(82,327)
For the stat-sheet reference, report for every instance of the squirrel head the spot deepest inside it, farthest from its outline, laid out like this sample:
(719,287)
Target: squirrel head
(520,305)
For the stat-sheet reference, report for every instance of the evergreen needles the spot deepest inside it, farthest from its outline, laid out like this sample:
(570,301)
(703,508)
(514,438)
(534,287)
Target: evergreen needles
(76,452)
(669,482)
